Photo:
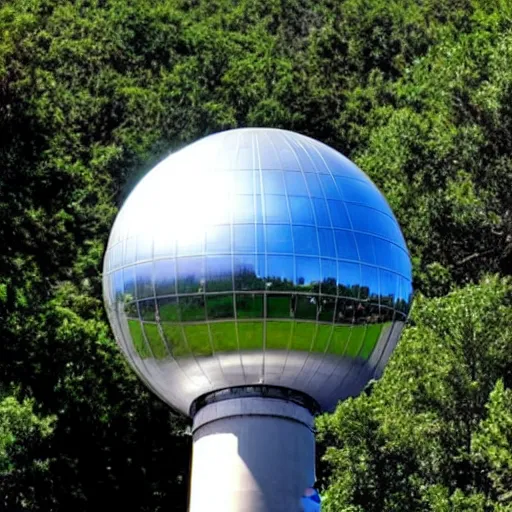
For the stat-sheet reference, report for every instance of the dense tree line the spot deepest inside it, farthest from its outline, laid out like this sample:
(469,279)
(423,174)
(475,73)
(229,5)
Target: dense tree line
(94,92)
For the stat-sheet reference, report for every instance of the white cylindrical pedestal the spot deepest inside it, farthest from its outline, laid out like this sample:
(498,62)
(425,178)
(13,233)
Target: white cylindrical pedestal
(251,455)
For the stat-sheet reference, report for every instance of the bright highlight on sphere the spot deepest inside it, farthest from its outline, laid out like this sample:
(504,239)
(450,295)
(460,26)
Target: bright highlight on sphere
(256,256)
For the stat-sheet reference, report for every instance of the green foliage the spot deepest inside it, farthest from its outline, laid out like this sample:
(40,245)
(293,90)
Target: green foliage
(93,93)
(24,455)
(493,443)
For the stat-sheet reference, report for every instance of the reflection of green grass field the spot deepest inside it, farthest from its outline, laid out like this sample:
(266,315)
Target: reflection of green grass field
(156,347)
(250,335)
(302,336)
(370,340)
(198,339)
(175,340)
(155,341)
(138,338)
(323,335)
(278,335)
(224,336)
(194,338)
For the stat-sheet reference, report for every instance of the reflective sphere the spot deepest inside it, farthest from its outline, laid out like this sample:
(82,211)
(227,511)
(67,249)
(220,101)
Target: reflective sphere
(256,256)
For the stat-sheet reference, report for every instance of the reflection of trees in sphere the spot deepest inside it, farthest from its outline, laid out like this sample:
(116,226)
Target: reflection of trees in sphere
(257,256)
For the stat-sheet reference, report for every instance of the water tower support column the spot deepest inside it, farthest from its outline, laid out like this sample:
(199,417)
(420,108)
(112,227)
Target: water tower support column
(251,454)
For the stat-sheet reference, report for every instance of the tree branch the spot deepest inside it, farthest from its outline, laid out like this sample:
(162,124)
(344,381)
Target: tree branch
(472,257)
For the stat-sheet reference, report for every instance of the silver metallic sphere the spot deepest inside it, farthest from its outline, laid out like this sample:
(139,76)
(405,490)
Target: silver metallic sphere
(256,256)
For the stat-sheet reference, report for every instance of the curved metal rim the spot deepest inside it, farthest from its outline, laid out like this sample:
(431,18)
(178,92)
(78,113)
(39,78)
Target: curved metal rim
(262,391)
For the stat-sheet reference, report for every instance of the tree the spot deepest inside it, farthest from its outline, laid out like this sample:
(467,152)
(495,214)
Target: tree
(24,455)
(492,444)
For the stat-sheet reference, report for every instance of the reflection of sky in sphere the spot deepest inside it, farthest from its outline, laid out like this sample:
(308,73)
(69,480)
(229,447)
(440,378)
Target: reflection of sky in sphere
(248,225)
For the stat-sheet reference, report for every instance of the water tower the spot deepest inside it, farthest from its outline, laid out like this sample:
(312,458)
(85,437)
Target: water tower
(252,279)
